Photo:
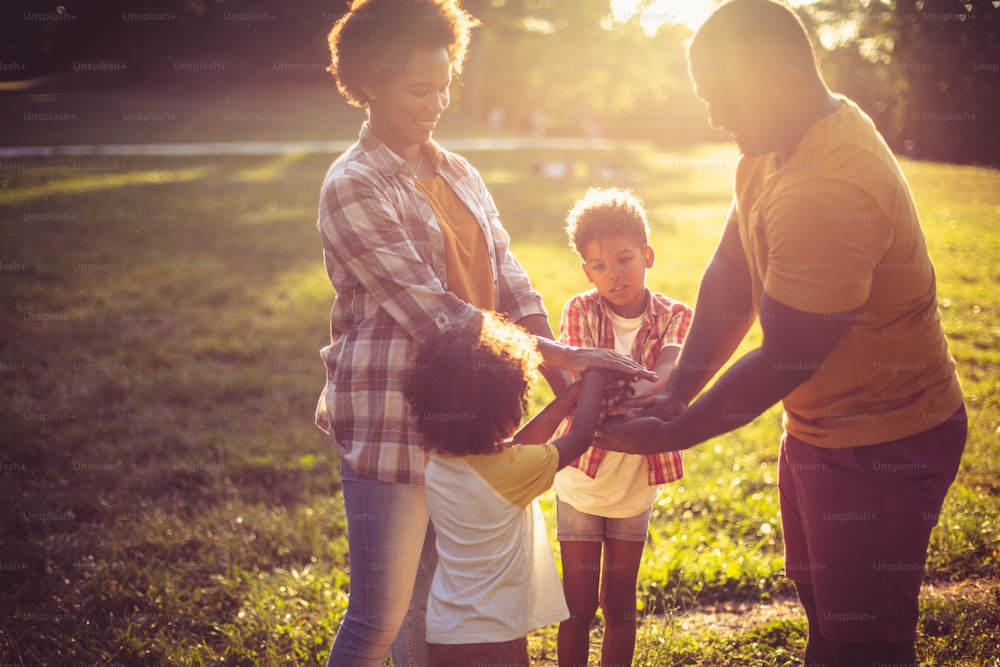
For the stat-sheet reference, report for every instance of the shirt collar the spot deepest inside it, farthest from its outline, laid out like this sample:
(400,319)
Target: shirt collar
(653,306)
(386,161)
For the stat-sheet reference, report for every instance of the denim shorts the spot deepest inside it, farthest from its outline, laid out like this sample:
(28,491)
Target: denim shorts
(572,525)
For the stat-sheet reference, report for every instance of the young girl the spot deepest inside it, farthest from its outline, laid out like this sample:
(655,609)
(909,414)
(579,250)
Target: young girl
(496,578)
(604,499)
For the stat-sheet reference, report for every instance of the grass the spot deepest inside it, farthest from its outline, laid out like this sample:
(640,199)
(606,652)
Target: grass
(167,499)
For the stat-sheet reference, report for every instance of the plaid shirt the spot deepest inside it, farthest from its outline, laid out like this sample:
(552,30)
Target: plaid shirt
(384,254)
(585,322)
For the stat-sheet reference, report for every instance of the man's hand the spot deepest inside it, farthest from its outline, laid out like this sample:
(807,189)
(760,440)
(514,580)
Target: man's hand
(660,406)
(641,435)
(663,407)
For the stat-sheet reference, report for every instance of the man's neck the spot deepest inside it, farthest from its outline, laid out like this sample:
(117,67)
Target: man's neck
(817,107)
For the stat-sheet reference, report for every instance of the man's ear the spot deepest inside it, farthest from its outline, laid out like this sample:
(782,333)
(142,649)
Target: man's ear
(586,272)
(649,255)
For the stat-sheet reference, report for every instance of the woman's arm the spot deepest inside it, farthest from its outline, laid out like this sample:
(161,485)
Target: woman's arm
(578,359)
(538,326)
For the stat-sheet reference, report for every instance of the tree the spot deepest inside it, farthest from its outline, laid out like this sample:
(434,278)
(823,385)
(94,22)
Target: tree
(926,70)
(567,62)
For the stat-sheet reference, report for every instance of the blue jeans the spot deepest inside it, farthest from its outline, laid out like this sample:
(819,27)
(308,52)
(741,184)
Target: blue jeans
(391,544)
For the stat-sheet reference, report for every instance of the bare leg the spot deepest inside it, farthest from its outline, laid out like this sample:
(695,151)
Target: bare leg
(581,563)
(621,568)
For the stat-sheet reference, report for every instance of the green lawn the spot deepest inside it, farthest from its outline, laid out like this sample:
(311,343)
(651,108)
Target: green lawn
(167,499)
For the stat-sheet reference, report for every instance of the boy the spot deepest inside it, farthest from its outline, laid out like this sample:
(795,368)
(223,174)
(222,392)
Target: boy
(604,499)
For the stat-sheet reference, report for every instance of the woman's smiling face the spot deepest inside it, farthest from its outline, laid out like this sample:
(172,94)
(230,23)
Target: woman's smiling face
(405,108)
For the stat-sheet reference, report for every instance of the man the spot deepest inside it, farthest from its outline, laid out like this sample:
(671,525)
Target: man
(823,246)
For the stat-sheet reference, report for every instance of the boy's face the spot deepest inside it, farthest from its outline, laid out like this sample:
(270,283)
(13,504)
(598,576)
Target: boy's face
(616,266)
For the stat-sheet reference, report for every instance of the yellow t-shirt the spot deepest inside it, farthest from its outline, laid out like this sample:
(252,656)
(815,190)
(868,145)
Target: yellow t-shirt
(470,269)
(835,231)
(519,473)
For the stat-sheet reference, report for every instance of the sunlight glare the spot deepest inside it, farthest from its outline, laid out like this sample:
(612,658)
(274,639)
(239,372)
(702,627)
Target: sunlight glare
(689,12)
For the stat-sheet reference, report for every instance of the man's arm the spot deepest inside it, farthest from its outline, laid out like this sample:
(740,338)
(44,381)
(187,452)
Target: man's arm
(794,346)
(723,314)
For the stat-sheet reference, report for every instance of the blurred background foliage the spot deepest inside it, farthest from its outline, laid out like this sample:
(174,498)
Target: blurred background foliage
(927,71)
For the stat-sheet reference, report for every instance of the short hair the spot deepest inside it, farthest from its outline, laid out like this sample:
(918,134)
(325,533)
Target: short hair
(605,212)
(751,33)
(374,37)
(468,387)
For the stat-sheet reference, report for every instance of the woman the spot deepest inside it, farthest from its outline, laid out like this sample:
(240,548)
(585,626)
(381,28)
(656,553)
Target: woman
(412,243)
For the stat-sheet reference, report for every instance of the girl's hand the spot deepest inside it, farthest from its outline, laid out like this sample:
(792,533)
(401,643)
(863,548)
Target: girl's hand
(615,392)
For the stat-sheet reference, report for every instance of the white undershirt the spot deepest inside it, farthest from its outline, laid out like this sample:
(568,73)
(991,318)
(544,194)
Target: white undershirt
(621,488)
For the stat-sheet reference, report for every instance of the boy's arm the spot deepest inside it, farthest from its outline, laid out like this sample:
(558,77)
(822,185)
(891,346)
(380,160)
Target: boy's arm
(588,411)
(666,361)
(541,427)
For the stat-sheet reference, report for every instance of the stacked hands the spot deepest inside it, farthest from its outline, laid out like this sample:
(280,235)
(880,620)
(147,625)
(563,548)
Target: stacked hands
(639,425)
(634,414)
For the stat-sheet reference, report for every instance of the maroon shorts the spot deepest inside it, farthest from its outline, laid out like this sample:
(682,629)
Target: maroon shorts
(857,522)
(500,654)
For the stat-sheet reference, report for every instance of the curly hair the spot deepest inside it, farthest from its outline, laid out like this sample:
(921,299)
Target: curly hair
(604,212)
(374,36)
(468,388)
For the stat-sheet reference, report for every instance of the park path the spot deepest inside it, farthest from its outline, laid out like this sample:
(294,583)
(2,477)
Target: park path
(729,617)
(458,144)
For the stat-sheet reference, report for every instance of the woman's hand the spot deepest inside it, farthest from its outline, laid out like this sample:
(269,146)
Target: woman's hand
(580,359)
